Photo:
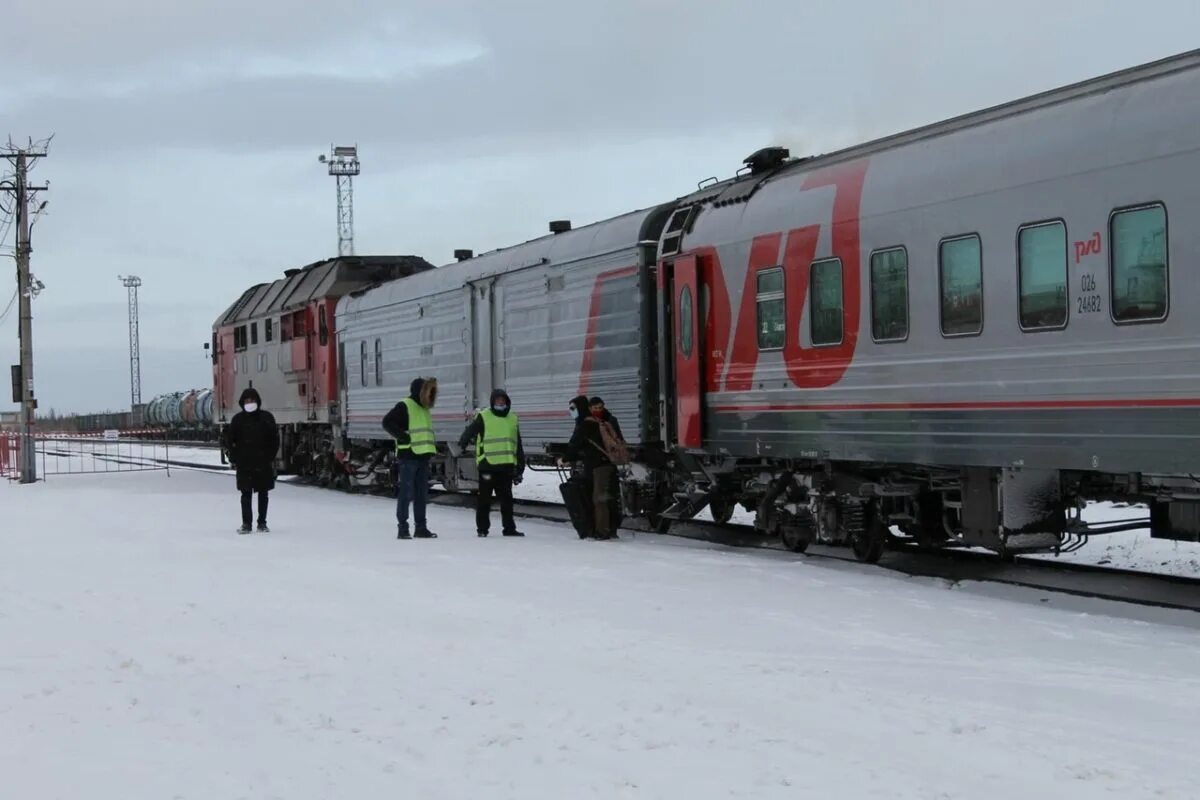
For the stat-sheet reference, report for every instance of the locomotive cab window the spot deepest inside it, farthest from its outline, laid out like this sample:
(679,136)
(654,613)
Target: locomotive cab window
(770,309)
(889,295)
(960,278)
(685,322)
(825,301)
(253,333)
(1042,276)
(1138,264)
(322,327)
(267,329)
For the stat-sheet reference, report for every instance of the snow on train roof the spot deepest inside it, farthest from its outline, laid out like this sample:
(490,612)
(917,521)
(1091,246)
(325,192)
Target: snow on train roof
(607,236)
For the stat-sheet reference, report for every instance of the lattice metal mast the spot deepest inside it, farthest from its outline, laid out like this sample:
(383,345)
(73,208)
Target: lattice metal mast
(343,165)
(132,283)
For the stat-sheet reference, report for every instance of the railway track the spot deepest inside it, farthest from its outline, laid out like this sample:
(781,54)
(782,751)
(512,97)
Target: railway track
(954,566)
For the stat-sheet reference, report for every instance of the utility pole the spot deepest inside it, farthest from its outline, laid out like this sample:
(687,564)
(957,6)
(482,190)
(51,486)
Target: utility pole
(27,287)
(343,165)
(132,283)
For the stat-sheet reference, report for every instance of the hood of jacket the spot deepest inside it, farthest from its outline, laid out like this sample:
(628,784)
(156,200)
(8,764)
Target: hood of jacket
(424,391)
(250,395)
(581,406)
(500,394)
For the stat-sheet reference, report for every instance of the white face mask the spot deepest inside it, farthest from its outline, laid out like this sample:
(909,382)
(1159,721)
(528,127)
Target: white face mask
(574,412)
(251,407)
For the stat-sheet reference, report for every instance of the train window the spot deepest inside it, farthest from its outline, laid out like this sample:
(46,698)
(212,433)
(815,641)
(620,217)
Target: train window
(298,329)
(378,362)
(889,295)
(362,352)
(267,330)
(960,276)
(253,333)
(285,328)
(322,326)
(772,328)
(685,322)
(1042,275)
(1138,264)
(825,301)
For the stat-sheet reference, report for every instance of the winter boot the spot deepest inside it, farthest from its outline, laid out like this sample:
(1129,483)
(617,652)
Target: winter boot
(513,533)
(262,528)
(402,533)
(426,534)
(244,529)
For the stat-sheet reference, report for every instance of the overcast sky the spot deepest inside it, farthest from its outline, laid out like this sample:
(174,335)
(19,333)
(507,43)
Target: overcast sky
(187,133)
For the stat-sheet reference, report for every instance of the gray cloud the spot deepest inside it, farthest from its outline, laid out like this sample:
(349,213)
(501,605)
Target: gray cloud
(187,133)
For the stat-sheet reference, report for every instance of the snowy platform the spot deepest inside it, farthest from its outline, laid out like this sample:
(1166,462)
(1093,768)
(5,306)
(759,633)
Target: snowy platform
(150,652)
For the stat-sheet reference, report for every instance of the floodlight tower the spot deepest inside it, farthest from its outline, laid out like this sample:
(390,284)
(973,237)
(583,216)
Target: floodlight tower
(132,283)
(343,164)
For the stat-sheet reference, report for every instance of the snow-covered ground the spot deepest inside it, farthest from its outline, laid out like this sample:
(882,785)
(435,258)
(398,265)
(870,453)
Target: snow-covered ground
(1128,550)
(150,652)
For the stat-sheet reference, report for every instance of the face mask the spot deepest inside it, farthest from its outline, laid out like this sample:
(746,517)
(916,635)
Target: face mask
(574,412)
(251,407)
(500,408)
(598,413)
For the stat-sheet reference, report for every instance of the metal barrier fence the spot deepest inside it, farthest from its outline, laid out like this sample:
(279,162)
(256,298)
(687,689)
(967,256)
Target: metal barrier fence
(10,456)
(88,454)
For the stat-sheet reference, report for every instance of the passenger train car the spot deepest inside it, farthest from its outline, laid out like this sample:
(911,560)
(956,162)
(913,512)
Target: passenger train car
(959,333)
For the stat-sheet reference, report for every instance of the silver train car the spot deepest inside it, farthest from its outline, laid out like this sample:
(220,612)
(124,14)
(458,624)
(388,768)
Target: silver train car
(958,334)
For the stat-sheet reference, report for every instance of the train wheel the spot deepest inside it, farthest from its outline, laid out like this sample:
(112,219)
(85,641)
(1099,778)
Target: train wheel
(798,534)
(721,507)
(868,544)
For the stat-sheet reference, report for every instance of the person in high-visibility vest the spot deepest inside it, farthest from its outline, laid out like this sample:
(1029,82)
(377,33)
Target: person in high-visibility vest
(411,425)
(500,457)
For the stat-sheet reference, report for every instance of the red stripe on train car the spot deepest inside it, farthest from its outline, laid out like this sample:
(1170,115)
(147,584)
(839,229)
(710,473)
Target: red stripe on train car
(986,405)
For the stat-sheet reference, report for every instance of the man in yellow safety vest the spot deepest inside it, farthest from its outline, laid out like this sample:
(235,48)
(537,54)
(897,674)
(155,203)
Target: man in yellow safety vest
(411,425)
(500,457)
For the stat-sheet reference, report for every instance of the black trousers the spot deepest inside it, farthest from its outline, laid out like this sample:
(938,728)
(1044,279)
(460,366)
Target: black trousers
(500,483)
(247,517)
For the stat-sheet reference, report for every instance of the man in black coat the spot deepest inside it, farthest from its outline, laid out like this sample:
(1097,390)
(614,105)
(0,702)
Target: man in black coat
(251,442)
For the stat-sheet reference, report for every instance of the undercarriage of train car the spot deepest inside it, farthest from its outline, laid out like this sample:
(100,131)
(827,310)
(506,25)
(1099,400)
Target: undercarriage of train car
(867,507)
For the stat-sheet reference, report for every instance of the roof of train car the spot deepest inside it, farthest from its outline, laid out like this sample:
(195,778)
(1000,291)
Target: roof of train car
(606,236)
(319,279)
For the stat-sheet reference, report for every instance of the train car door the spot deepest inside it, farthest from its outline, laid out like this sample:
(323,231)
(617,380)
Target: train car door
(482,336)
(689,370)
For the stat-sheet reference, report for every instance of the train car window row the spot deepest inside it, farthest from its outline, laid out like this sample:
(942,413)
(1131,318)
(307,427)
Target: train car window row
(1138,277)
(769,309)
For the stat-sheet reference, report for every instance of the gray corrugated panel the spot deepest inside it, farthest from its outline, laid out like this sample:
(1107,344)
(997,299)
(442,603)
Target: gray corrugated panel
(544,292)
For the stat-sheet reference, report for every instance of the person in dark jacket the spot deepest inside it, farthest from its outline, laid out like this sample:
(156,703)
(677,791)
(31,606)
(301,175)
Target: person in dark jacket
(500,459)
(410,423)
(587,447)
(251,442)
(596,404)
